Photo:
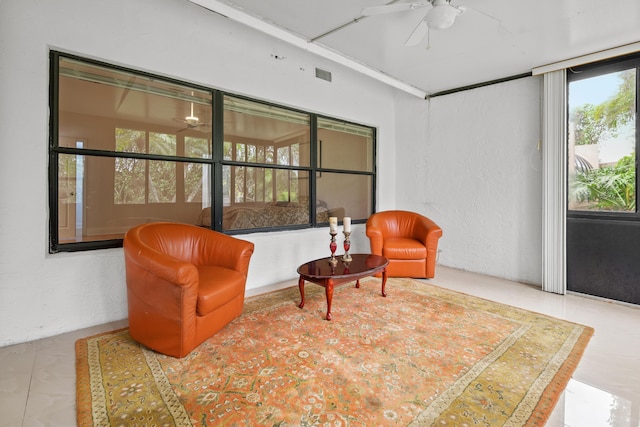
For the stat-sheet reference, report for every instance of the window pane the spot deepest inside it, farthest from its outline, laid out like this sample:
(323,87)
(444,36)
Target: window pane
(349,191)
(131,141)
(259,131)
(197,183)
(228,150)
(145,134)
(284,155)
(344,146)
(238,179)
(255,205)
(70,184)
(197,147)
(241,153)
(162,182)
(257,184)
(94,101)
(602,125)
(89,211)
(129,183)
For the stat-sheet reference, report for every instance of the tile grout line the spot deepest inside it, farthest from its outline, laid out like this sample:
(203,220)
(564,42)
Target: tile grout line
(33,366)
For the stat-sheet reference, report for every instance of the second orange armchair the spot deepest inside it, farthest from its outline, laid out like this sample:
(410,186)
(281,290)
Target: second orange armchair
(409,240)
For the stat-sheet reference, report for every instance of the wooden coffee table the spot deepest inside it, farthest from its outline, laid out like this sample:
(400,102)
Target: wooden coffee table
(321,272)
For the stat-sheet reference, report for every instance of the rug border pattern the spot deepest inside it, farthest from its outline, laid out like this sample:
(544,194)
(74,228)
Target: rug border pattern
(533,409)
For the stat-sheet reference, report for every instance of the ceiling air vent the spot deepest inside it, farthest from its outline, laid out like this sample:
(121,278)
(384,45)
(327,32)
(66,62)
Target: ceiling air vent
(323,74)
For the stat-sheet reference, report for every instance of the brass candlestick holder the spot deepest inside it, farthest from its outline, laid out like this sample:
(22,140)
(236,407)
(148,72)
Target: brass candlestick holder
(347,245)
(333,246)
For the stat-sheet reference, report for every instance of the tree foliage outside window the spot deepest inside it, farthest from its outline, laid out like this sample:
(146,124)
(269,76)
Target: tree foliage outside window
(595,122)
(606,186)
(194,173)
(162,175)
(129,184)
(609,188)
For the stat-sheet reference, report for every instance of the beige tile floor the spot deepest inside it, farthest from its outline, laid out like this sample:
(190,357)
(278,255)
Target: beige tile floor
(37,379)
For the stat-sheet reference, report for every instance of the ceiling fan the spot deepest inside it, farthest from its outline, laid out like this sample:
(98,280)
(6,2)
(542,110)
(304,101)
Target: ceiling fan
(191,121)
(441,16)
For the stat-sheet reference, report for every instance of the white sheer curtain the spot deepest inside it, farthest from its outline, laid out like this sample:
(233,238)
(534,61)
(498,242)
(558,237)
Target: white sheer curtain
(554,170)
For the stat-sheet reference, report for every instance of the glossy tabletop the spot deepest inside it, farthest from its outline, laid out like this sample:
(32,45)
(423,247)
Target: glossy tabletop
(361,263)
(327,274)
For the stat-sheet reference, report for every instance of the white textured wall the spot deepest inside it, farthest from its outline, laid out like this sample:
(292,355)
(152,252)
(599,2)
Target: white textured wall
(43,294)
(470,161)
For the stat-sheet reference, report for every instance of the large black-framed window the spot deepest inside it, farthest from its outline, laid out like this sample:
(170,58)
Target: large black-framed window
(603,139)
(128,147)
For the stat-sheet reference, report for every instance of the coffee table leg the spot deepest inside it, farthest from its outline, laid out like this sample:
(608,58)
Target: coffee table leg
(301,287)
(329,292)
(384,282)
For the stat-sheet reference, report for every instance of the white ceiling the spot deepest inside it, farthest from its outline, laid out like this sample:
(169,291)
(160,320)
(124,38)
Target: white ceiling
(492,40)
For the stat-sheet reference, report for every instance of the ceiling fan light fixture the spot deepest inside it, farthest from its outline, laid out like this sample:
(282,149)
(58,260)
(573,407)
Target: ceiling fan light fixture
(192,120)
(442,15)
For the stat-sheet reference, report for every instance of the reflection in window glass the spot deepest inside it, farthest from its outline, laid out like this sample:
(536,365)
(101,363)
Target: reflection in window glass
(162,182)
(196,183)
(101,196)
(344,146)
(197,147)
(284,155)
(251,184)
(261,133)
(601,169)
(131,141)
(92,98)
(162,143)
(266,197)
(133,148)
(129,182)
(83,189)
(162,175)
(240,154)
(351,192)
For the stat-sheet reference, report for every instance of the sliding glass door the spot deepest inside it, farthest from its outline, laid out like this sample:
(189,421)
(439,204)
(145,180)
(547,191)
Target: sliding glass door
(603,222)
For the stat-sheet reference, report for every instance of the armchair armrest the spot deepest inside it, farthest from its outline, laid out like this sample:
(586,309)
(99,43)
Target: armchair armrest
(160,265)
(162,291)
(376,239)
(428,232)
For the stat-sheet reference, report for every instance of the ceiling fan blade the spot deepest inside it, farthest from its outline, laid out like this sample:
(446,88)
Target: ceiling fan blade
(392,8)
(418,34)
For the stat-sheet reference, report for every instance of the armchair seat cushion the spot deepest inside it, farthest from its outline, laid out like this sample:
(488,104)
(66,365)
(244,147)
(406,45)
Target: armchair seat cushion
(403,248)
(218,286)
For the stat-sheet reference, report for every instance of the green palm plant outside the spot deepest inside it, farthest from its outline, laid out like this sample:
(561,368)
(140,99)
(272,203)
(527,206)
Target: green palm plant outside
(608,188)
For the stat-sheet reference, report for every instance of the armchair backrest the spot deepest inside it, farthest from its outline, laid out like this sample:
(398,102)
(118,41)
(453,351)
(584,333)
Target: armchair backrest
(195,245)
(397,223)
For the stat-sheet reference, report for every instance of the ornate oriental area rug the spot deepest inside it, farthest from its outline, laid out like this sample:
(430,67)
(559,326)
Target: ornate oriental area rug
(421,356)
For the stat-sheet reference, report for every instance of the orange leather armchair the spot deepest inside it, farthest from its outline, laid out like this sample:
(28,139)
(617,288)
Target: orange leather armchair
(184,284)
(408,239)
